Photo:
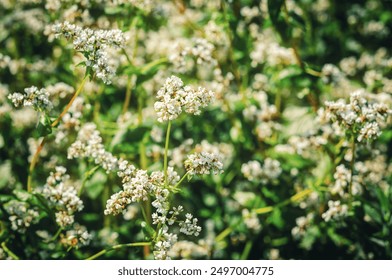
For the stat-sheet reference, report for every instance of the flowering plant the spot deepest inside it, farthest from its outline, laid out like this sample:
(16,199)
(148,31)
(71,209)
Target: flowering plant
(139,129)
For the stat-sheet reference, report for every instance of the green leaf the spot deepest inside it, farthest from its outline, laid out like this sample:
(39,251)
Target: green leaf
(44,126)
(373,213)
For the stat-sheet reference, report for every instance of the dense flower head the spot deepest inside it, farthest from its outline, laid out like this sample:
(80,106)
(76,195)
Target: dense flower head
(89,145)
(254,171)
(335,211)
(93,44)
(174,97)
(62,196)
(21,215)
(203,163)
(33,97)
(362,116)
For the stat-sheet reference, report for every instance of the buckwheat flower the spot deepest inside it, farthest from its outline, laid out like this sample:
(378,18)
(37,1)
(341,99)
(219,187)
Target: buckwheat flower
(130,212)
(188,250)
(93,45)
(168,106)
(251,220)
(137,188)
(173,98)
(202,51)
(192,100)
(89,144)
(77,237)
(302,224)
(21,215)
(252,170)
(189,226)
(117,203)
(336,211)
(108,237)
(62,196)
(362,116)
(203,163)
(331,74)
(162,247)
(270,170)
(63,218)
(33,97)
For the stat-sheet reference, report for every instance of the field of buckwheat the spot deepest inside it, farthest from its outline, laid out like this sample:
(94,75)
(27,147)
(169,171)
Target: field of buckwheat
(195,129)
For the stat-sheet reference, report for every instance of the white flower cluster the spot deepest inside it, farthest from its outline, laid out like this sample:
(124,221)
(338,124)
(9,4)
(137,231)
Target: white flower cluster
(189,226)
(62,196)
(76,237)
(264,114)
(139,186)
(167,240)
(188,250)
(179,154)
(270,170)
(89,145)
(302,224)
(33,97)
(361,116)
(21,216)
(93,44)
(200,50)
(342,178)
(203,163)
(251,220)
(174,97)
(331,74)
(335,211)
(163,246)
(267,51)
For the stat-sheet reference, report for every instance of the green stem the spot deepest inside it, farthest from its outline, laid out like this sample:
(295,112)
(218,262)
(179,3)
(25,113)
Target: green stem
(70,102)
(33,163)
(264,210)
(127,95)
(182,179)
(9,252)
(36,155)
(87,175)
(57,234)
(297,197)
(166,151)
(350,187)
(223,234)
(116,247)
(248,247)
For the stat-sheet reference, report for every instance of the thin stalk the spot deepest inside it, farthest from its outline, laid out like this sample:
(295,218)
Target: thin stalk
(297,197)
(265,210)
(127,95)
(41,145)
(248,247)
(56,234)
(8,251)
(116,247)
(87,175)
(166,151)
(350,187)
(70,102)
(182,179)
(223,234)
(33,163)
